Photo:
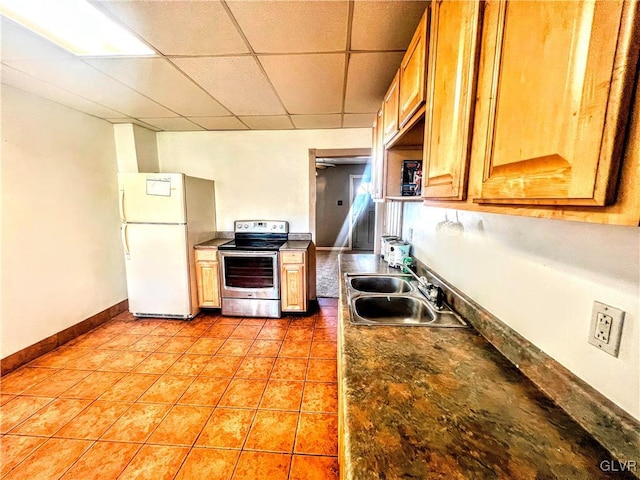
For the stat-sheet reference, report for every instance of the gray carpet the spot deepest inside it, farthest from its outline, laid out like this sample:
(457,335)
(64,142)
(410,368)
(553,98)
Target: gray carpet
(327,271)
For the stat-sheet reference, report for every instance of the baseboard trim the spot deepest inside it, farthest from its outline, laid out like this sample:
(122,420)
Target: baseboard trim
(611,426)
(24,356)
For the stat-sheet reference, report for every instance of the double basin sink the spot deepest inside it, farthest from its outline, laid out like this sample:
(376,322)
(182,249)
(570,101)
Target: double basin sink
(394,299)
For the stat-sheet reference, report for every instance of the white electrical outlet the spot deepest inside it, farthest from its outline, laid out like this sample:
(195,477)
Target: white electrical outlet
(606,328)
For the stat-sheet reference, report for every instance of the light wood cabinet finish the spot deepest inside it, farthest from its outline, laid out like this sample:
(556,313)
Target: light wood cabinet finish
(377,158)
(454,33)
(412,73)
(554,90)
(390,110)
(293,278)
(207,278)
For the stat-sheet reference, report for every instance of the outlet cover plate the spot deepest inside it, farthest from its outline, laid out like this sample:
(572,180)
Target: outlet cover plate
(606,328)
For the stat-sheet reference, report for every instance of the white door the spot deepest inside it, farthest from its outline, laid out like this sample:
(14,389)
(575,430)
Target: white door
(152,197)
(157,265)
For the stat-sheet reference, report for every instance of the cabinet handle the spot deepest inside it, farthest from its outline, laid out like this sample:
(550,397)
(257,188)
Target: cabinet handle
(125,242)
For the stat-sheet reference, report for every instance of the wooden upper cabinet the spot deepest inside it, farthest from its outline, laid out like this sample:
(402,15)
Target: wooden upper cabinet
(412,73)
(454,39)
(390,110)
(556,78)
(377,158)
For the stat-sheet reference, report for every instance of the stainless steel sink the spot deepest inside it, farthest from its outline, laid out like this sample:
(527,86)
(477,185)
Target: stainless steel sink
(391,310)
(388,299)
(381,283)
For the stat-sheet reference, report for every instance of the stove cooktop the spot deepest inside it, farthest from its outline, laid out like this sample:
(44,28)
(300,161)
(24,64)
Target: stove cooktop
(253,244)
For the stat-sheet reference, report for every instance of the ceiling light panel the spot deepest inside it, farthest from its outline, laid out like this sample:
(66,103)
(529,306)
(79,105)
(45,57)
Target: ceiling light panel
(365,91)
(161,81)
(291,27)
(20,43)
(236,82)
(385,25)
(307,84)
(181,27)
(76,26)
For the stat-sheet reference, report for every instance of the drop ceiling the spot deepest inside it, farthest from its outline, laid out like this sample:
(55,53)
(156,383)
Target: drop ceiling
(227,65)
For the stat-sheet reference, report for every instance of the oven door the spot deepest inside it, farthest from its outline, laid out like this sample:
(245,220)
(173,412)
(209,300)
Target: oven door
(250,274)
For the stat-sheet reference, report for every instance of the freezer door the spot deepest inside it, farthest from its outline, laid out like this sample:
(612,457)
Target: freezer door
(157,266)
(152,197)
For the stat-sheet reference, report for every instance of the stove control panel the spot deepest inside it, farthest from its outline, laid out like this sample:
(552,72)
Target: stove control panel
(261,226)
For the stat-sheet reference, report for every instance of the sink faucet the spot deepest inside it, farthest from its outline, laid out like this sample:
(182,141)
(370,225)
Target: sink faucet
(434,294)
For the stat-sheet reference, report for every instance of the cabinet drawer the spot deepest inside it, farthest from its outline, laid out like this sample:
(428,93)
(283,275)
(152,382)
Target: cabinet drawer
(292,257)
(208,255)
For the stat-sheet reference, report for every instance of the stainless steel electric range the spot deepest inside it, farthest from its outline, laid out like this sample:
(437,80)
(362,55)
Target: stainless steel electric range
(250,280)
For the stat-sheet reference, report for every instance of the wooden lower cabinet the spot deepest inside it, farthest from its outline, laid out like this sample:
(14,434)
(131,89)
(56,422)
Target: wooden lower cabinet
(207,278)
(293,280)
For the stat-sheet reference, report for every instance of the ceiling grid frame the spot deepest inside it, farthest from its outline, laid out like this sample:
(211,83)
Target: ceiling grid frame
(401,23)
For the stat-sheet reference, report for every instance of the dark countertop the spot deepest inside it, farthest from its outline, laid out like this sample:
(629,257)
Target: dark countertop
(296,245)
(213,243)
(428,403)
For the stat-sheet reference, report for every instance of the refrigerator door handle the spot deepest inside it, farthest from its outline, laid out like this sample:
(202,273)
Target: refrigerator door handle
(125,242)
(123,219)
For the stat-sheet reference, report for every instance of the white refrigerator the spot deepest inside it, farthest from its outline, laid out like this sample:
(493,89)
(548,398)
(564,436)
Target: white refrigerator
(163,216)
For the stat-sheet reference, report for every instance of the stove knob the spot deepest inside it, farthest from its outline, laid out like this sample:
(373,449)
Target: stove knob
(281,227)
(246,225)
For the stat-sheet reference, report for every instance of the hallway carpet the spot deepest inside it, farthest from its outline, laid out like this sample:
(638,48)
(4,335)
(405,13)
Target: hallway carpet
(327,271)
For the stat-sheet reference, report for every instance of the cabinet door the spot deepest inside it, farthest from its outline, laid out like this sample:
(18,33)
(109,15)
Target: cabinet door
(412,73)
(208,284)
(294,287)
(390,110)
(377,158)
(453,56)
(557,77)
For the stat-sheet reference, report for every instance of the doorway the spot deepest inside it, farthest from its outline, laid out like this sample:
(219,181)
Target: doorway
(362,213)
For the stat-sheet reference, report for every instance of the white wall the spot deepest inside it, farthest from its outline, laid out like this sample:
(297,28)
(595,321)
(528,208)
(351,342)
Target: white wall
(136,148)
(541,278)
(61,251)
(258,174)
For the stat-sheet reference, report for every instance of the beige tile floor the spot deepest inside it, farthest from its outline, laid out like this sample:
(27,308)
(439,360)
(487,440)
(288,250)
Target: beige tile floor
(213,398)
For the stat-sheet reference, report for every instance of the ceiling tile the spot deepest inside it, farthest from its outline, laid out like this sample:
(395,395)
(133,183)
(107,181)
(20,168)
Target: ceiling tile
(236,82)
(317,121)
(364,90)
(161,81)
(385,25)
(177,124)
(268,122)
(84,80)
(42,89)
(219,123)
(358,120)
(180,27)
(293,26)
(307,84)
